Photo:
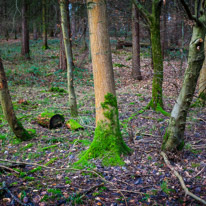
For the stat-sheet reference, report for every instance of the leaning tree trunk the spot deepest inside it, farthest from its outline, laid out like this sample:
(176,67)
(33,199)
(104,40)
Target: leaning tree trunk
(136,73)
(62,55)
(202,80)
(157,59)
(174,136)
(7,107)
(108,143)
(68,50)
(25,31)
(44,24)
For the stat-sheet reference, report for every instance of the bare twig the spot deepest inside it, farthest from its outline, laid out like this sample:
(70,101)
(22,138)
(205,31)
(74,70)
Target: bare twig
(199,172)
(187,192)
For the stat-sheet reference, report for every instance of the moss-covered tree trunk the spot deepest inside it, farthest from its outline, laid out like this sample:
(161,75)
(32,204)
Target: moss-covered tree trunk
(174,136)
(157,59)
(153,21)
(25,30)
(202,80)
(108,143)
(44,24)
(68,51)
(136,72)
(7,107)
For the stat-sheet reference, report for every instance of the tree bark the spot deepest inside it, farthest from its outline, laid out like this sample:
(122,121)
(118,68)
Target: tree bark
(174,136)
(35,34)
(7,107)
(136,72)
(202,80)
(68,50)
(25,30)
(156,56)
(108,143)
(62,56)
(44,24)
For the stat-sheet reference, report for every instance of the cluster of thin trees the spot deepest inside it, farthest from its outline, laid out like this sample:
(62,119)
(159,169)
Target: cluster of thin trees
(107,134)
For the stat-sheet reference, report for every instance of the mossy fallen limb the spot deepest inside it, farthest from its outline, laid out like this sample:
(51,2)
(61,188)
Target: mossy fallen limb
(73,125)
(50,120)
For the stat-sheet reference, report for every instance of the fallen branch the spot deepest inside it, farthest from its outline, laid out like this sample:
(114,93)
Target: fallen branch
(7,168)
(72,169)
(15,198)
(187,192)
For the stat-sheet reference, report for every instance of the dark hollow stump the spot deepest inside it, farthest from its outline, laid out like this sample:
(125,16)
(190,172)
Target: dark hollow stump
(50,120)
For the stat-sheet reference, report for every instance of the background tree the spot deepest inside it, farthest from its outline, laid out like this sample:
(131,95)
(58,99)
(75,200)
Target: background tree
(25,30)
(174,136)
(7,107)
(108,143)
(68,51)
(136,72)
(153,21)
(44,23)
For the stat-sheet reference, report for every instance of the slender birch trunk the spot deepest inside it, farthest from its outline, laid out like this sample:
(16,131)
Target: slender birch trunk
(68,50)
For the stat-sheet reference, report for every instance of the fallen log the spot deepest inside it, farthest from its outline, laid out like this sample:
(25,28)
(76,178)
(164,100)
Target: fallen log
(50,120)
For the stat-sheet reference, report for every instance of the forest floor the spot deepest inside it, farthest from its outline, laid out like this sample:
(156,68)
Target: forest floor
(44,178)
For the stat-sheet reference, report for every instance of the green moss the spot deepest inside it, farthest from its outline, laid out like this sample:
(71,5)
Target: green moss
(49,147)
(57,90)
(51,161)
(161,110)
(108,144)
(27,146)
(74,125)
(29,178)
(47,114)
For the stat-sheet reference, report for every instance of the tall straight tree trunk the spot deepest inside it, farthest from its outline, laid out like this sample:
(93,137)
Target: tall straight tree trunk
(25,30)
(153,21)
(7,107)
(174,136)
(68,50)
(156,57)
(44,24)
(136,73)
(202,80)
(108,143)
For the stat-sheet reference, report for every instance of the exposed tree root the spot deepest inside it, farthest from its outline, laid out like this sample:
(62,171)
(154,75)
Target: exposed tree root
(187,192)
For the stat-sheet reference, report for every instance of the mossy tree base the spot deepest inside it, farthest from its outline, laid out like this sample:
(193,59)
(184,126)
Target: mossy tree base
(108,144)
(7,108)
(157,108)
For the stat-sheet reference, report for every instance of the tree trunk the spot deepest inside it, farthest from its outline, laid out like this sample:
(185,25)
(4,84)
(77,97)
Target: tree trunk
(202,80)
(25,31)
(136,73)
(174,136)
(157,59)
(7,107)
(35,34)
(62,56)
(68,50)
(44,24)
(108,143)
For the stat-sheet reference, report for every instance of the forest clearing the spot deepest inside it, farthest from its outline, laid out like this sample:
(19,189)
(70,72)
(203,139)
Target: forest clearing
(88,130)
